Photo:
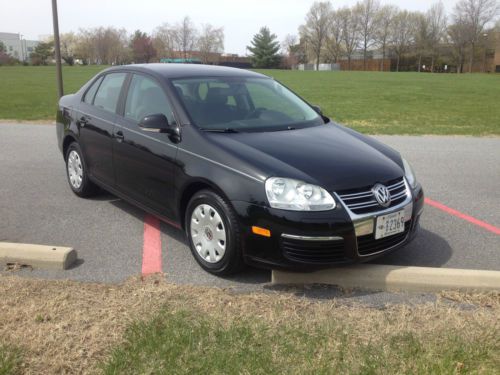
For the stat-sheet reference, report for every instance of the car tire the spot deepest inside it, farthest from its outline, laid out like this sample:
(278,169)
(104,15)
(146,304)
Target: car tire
(76,172)
(209,221)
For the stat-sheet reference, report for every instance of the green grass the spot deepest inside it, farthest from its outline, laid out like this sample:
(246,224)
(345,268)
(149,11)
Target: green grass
(403,103)
(10,360)
(371,102)
(188,343)
(30,92)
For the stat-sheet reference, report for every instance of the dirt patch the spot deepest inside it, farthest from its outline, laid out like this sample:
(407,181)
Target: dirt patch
(67,327)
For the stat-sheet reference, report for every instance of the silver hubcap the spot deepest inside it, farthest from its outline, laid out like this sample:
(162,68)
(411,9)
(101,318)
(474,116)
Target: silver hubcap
(75,169)
(208,233)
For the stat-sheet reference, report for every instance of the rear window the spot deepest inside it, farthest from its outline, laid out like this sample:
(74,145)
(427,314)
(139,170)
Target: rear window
(109,91)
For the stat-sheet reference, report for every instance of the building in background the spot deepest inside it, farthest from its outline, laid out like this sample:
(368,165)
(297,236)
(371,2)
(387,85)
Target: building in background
(17,47)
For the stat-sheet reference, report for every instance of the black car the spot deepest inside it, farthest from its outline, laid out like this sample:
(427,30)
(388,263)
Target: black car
(249,170)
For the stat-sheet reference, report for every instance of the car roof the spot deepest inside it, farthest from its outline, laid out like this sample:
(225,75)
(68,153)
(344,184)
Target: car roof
(170,71)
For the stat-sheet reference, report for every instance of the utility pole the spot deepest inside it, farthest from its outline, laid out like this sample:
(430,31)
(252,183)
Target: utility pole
(57,47)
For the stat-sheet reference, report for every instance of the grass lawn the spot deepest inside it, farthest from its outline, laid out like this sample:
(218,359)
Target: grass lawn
(376,103)
(149,326)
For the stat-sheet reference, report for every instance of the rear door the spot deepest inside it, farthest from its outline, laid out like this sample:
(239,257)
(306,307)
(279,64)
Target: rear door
(144,161)
(95,117)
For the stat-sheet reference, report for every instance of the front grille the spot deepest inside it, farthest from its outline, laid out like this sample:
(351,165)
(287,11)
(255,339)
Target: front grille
(362,200)
(313,251)
(369,245)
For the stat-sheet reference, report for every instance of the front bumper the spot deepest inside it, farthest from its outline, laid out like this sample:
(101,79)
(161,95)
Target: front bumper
(313,240)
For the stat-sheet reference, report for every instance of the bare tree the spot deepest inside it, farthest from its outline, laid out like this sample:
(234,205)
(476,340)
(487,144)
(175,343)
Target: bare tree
(350,32)
(437,24)
(315,30)
(402,34)
(385,17)
(334,48)
(164,40)
(366,13)
(421,37)
(185,36)
(210,41)
(458,34)
(475,14)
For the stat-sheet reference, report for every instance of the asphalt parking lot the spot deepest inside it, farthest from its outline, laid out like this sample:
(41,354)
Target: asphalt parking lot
(37,206)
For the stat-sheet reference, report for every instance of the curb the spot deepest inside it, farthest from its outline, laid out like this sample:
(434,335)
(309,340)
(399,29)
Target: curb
(396,278)
(38,256)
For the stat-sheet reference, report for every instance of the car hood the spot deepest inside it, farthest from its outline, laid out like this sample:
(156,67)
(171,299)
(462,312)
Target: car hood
(332,156)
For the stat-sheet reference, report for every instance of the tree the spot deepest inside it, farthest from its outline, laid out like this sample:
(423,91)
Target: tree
(334,48)
(264,49)
(315,30)
(42,52)
(2,47)
(458,34)
(475,14)
(422,35)
(185,36)
(210,41)
(366,14)
(437,23)
(385,17)
(291,51)
(142,47)
(402,34)
(164,40)
(68,43)
(350,32)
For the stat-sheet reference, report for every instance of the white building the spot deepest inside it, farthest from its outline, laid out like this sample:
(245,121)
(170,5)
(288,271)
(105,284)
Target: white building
(17,47)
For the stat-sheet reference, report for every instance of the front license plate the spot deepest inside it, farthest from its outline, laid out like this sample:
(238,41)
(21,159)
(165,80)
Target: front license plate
(388,225)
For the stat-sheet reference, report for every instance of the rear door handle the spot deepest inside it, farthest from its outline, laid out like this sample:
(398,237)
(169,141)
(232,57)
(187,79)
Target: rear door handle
(119,136)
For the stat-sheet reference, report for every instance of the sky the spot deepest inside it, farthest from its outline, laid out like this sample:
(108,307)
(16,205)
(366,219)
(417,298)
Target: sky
(240,19)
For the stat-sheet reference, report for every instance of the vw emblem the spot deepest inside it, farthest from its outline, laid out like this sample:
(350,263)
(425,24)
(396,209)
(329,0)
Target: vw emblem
(382,195)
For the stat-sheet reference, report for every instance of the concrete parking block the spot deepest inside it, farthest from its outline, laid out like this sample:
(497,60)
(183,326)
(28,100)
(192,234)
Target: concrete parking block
(396,278)
(37,256)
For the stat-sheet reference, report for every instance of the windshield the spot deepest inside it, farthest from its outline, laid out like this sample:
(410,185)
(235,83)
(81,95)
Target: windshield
(243,104)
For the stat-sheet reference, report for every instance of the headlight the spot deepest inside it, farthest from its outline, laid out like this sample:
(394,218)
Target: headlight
(409,174)
(294,195)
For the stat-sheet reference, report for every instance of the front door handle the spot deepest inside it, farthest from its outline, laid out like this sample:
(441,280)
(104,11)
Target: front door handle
(119,136)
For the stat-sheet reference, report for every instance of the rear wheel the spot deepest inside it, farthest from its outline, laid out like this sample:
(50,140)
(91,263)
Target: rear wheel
(76,172)
(213,233)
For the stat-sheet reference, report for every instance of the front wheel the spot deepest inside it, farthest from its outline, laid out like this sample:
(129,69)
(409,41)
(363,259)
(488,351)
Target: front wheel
(213,233)
(76,171)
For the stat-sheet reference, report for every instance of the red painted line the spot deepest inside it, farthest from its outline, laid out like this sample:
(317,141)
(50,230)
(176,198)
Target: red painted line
(151,253)
(463,216)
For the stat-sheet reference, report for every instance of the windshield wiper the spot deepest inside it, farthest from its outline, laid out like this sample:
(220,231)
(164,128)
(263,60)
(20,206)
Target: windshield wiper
(226,130)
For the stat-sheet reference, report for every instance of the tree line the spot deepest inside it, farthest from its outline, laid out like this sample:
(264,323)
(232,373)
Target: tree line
(329,35)
(111,46)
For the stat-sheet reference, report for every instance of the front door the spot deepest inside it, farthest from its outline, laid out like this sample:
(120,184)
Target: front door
(144,161)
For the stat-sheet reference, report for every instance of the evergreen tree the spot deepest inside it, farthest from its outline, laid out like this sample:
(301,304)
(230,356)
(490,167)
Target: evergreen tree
(265,49)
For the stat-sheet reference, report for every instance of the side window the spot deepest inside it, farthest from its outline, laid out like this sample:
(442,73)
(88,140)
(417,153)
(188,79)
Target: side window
(109,91)
(89,95)
(146,97)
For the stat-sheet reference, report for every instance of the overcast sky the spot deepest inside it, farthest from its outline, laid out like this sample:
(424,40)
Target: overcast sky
(240,19)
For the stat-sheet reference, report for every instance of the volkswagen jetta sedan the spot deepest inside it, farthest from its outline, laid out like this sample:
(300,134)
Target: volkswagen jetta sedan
(250,171)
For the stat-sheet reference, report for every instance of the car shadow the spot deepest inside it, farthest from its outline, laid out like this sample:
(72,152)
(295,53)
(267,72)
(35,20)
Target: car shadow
(428,249)
(250,275)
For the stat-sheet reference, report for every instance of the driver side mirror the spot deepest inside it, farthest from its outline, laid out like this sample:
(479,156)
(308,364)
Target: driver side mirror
(318,110)
(157,123)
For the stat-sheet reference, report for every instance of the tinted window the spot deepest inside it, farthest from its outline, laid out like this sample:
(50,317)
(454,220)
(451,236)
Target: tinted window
(244,104)
(146,97)
(89,95)
(109,91)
